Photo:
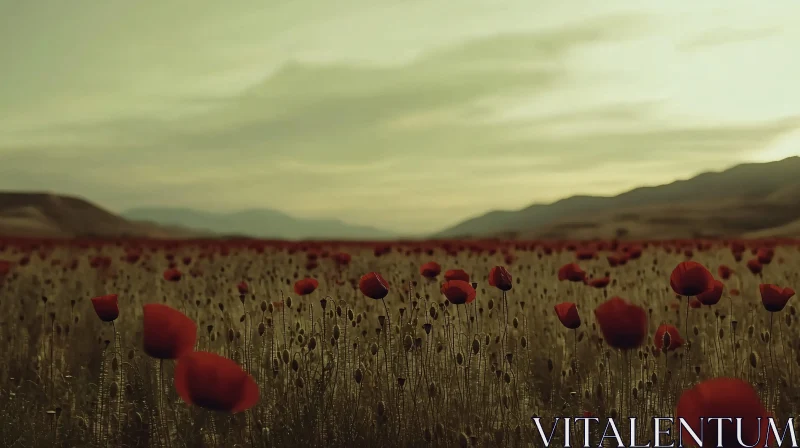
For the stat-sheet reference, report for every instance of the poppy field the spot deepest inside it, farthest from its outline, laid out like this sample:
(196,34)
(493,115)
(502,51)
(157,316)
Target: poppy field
(134,343)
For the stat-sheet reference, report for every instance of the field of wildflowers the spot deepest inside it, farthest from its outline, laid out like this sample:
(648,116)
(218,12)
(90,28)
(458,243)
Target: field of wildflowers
(442,343)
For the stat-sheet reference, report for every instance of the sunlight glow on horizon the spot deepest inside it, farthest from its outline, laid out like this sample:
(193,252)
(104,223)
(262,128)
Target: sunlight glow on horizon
(784,147)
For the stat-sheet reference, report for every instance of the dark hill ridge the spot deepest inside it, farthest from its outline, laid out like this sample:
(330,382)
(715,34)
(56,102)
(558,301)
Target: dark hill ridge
(749,182)
(750,200)
(42,214)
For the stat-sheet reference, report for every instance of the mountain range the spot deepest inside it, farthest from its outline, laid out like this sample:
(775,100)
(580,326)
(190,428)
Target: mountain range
(262,223)
(752,199)
(748,200)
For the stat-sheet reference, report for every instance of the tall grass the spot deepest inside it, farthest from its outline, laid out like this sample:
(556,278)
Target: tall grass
(338,369)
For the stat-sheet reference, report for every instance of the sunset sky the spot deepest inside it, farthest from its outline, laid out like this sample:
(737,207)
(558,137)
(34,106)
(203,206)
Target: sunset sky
(408,115)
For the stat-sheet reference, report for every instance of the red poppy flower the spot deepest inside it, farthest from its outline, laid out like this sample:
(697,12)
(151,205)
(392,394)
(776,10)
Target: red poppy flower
(456,274)
(754,266)
(168,333)
(567,313)
(690,278)
(599,283)
(723,398)
(382,250)
(675,339)
(243,288)
(373,286)
(694,303)
(724,272)
(634,253)
(500,278)
(305,286)
(132,257)
(458,292)
(106,307)
(713,295)
(735,292)
(5,267)
(774,298)
(585,253)
(571,272)
(623,324)
(97,262)
(341,259)
(764,255)
(214,382)
(172,275)
(430,269)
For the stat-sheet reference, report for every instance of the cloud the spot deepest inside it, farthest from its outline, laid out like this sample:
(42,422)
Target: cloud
(493,121)
(310,167)
(303,106)
(727,36)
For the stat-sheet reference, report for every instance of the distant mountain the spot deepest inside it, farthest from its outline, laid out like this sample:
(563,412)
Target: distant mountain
(756,199)
(261,223)
(749,200)
(47,215)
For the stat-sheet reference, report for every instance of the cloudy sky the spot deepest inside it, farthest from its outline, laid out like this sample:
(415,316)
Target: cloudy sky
(409,115)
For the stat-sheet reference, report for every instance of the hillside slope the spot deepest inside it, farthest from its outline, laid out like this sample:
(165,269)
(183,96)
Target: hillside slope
(743,199)
(47,215)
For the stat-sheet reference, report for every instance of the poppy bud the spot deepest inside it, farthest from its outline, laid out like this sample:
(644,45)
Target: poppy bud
(432,390)
(381,409)
(408,343)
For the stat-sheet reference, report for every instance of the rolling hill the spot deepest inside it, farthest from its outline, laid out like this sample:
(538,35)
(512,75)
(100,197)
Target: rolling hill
(754,199)
(46,215)
(262,223)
